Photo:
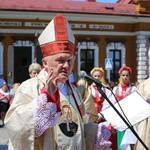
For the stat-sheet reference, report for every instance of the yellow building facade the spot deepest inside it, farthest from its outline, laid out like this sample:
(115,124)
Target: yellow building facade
(105,40)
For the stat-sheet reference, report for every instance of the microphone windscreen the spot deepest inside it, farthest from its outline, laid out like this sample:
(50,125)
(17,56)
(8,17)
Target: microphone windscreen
(82,73)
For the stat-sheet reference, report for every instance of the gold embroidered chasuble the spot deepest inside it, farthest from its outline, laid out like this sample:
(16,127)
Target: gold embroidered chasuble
(143,128)
(21,127)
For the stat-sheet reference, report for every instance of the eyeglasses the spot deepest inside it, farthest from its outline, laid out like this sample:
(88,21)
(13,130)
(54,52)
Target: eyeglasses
(63,61)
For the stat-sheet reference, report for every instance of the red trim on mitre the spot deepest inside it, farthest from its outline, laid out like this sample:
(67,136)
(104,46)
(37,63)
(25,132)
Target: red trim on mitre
(60,25)
(52,48)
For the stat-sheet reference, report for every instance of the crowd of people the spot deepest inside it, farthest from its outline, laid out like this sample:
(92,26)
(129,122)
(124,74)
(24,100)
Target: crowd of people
(51,111)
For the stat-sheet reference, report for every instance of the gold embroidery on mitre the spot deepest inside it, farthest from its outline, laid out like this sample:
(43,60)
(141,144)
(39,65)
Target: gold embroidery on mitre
(57,47)
(62,46)
(60,25)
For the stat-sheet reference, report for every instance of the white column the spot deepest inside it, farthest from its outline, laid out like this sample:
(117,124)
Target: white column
(142,69)
(1,58)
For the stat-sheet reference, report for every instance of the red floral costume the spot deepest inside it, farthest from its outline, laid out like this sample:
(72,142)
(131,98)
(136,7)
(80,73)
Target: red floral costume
(98,99)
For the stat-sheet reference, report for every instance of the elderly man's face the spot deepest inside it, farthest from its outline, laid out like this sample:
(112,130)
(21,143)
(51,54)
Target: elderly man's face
(62,63)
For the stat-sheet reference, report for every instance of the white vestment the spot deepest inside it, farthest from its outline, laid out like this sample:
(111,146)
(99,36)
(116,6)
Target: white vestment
(21,125)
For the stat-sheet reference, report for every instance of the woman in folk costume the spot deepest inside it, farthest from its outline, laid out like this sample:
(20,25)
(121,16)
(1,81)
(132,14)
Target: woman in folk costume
(92,97)
(97,73)
(125,139)
(92,110)
(99,101)
(47,112)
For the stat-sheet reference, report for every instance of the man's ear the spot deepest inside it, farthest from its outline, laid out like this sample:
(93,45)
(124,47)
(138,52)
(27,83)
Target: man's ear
(44,62)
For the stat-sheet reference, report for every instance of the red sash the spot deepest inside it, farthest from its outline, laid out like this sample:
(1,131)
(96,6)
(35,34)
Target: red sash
(8,100)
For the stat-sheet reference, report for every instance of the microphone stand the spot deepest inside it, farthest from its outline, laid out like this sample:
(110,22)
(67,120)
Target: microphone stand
(130,127)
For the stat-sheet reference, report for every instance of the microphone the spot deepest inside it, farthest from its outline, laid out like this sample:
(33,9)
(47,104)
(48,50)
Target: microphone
(97,82)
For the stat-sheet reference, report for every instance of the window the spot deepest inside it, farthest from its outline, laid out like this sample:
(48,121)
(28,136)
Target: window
(115,55)
(87,60)
(87,56)
(116,51)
